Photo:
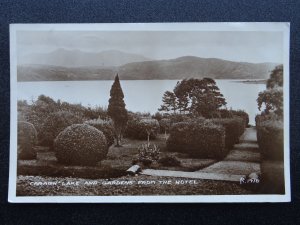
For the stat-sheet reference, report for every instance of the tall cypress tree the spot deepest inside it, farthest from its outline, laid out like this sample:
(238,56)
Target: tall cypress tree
(116,109)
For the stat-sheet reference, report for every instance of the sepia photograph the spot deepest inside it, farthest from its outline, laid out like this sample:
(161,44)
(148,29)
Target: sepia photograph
(153,112)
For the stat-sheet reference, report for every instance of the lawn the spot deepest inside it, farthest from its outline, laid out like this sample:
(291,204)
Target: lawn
(118,160)
(103,178)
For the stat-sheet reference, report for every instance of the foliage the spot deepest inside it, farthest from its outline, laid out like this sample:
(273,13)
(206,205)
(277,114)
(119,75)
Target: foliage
(151,126)
(272,100)
(169,161)
(206,98)
(27,138)
(158,116)
(106,127)
(95,113)
(182,91)
(169,102)
(142,128)
(242,114)
(176,118)
(44,106)
(266,117)
(234,128)
(270,138)
(276,78)
(116,109)
(165,125)
(54,124)
(194,96)
(80,144)
(200,138)
(148,154)
(225,113)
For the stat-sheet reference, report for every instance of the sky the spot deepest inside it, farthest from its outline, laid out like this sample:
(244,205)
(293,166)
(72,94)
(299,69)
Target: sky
(241,46)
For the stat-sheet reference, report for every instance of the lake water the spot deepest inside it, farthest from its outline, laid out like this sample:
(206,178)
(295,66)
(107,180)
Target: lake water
(140,95)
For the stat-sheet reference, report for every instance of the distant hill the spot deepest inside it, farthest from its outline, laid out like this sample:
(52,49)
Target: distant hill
(77,58)
(179,68)
(58,73)
(190,66)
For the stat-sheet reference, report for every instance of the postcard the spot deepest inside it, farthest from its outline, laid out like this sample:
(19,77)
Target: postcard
(149,112)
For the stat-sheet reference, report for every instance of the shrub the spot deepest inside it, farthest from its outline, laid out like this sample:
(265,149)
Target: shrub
(148,154)
(169,161)
(54,124)
(27,137)
(225,113)
(234,128)
(142,128)
(80,144)
(271,100)
(270,139)
(158,116)
(242,114)
(266,117)
(201,139)
(176,118)
(104,126)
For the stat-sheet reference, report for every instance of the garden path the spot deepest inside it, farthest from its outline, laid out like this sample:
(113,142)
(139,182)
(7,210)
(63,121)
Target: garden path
(242,160)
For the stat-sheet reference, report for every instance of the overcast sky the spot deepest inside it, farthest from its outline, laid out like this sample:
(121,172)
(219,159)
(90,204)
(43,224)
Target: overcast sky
(248,46)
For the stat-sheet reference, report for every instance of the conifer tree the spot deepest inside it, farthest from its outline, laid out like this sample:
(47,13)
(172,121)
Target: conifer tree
(116,109)
(169,102)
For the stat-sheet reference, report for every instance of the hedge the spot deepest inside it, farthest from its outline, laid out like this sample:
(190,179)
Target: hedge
(199,139)
(137,128)
(80,144)
(106,127)
(234,128)
(243,115)
(270,139)
(27,138)
(225,113)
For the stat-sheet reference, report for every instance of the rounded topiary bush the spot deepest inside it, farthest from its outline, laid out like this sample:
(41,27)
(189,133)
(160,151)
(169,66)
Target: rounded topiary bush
(80,144)
(27,138)
(106,127)
(54,124)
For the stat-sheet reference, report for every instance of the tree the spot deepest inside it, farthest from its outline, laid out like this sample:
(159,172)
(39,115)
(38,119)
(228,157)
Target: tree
(276,78)
(116,109)
(181,91)
(169,102)
(203,96)
(272,98)
(151,125)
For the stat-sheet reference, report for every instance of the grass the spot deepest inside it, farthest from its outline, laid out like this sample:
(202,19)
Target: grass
(121,157)
(118,160)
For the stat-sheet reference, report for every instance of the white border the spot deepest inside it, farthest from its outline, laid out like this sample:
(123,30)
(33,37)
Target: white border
(272,26)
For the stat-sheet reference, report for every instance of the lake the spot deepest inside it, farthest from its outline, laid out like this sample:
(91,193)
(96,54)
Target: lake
(140,95)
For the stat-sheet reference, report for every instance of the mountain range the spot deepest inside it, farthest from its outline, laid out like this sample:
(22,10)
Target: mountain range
(77,58)
(60,65)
